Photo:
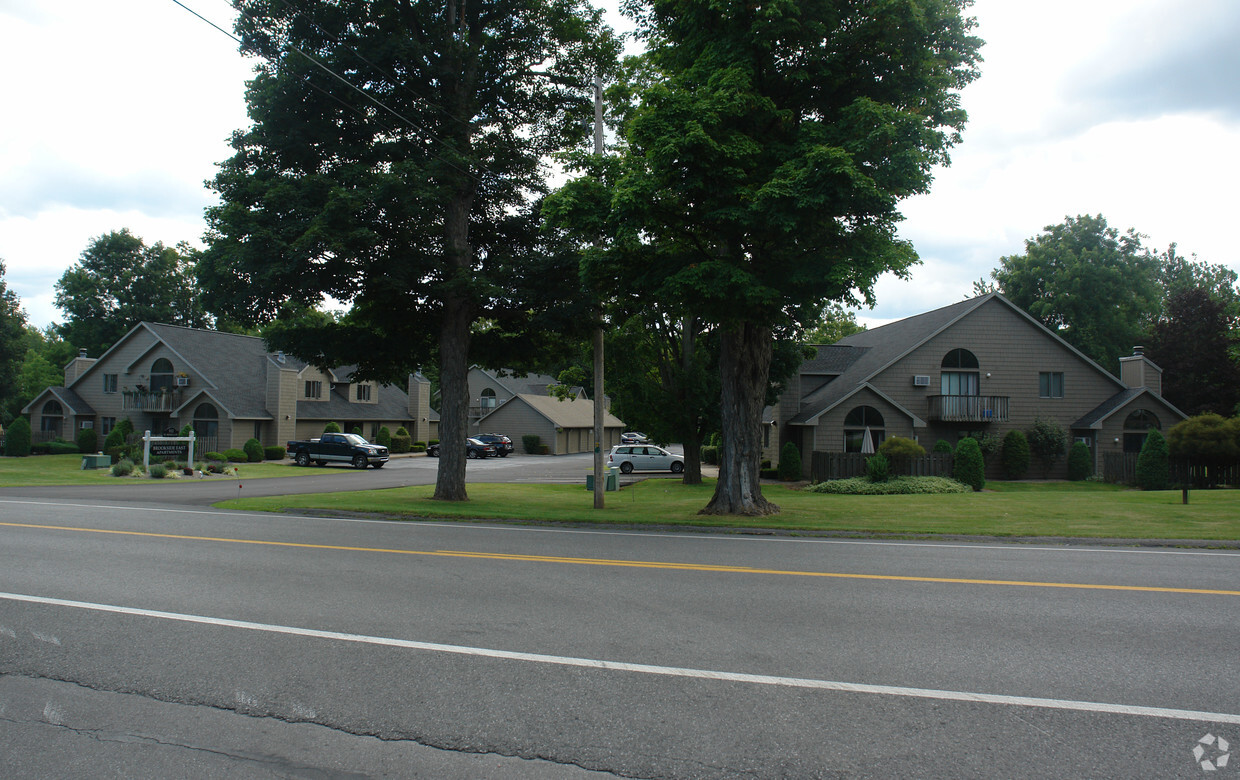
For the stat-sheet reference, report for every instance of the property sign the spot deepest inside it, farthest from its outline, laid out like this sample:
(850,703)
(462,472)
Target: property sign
(167,448)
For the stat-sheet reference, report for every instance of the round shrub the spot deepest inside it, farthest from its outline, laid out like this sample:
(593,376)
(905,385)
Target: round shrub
(88,440)
(710,455)
(401,442)
(356,431)
(122,468)
(274,453)
(899,453)
(253,450)
(384,437)
(789,463)
(942,445)
(401,431)
(1015,455)
(531,442)
(332,427)
(158,471)
(1080,462)
(969,467)
(860,486)
(877,468)
(216,456)
(236,456)
(17,439)
(115,438)
(1153,466)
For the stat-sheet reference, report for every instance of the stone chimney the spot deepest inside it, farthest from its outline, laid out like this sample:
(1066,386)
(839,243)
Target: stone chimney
(78,366)
(1139,371)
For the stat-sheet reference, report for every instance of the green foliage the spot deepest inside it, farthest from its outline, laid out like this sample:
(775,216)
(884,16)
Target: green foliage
(789,462)
(253,449)
(1080,462)
(877,468)
(158,471)
(710,455)
(1206,377)
(401,442)
(114,439)
(531,442)
(12,350)
(122,468)
(835,323)
(943,446)
(1095,288)
(401,431)
(1206,438)
(357,431)
(17,438)
(236,456)
(1048,441)
(900,452)
(88,440)
(968,466)
(862,486)
(125,426)
(186,429)
(1153,463)
(1015,458)
(214,456)
(384,437)
(332,427)
(274,453)
(118,281)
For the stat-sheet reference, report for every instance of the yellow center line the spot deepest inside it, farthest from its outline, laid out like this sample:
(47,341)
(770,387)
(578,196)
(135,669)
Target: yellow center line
(633,564)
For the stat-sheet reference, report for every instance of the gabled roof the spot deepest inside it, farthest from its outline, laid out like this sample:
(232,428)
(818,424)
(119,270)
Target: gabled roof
(391,403)
(807,417)
(862,356)
(1100,414)
(563,414)
(70,401)
(529,384)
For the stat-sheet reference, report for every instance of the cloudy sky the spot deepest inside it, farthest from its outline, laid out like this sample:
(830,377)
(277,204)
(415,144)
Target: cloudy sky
(116,113)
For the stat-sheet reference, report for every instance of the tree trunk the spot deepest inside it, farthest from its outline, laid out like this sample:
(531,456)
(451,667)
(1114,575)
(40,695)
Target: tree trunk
(454,400)
(693,436)
(744,368)
(693,459)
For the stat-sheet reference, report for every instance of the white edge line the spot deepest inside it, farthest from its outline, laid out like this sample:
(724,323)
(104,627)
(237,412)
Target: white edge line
(1085,548)
(670,671)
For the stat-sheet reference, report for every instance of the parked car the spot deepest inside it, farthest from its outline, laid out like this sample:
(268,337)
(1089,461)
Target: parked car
(503,444)
(633,457)
(338,448)
(634,437)
(473,449)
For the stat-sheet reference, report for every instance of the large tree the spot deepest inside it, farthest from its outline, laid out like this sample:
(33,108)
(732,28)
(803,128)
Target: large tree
(1096,288)
(12,346)
(766,162)
(119,281)
(397,151)
(1193,343)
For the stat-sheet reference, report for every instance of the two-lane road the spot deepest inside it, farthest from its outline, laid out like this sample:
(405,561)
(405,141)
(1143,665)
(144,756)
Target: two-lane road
(645,655)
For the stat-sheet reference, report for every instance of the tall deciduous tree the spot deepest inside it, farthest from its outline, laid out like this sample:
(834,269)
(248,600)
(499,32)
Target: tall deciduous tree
(12,346)
(1094,287)
(409,197)
(119,281)
(767,162)
(1193,343)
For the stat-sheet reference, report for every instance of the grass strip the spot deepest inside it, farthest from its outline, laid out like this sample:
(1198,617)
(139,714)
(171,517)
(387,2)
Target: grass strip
(48,470)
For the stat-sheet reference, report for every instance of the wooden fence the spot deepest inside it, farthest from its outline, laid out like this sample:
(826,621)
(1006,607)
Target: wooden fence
(1120,468)
(844,465)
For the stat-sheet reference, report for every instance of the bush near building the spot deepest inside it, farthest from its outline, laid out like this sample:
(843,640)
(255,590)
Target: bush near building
(17,438)
(969,467)
(253,450)
(1015,455)
(1080,462)
(789,463)
(1154,463)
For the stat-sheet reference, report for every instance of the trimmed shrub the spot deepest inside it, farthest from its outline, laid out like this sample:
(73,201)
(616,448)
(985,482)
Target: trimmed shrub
(1048,441)
(186,429)
(126,428)
(789,463)
(236,456)
(401,442)
(544,449)
(384,437)
(158,471)
(1153,467)
(115,438)
(356,431)
(768,473)
(877,469)
(401,431)
(253,450)
(969,467)
(710,455)
(88,440)
(1080,462)
(122,468)
(530,442)
(1015,457)
(274,453)
(57,447)
(943,445)
(899,451)
(215,456)
(419,447)
(332,427)
(432,441)
(17,439)
(860,486)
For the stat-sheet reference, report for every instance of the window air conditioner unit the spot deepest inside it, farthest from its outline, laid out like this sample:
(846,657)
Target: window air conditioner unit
(921,380)
(182,381)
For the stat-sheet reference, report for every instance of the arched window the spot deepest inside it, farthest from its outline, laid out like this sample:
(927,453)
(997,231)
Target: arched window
(206,421)
(960,373)
(52,417)
(1137,426)
(857,423)
(488,398)
(161,374)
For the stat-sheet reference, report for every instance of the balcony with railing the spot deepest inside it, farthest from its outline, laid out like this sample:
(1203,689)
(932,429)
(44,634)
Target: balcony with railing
(163,400)
(968,408)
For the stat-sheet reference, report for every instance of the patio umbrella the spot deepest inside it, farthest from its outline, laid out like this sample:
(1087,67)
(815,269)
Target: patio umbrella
(867,443)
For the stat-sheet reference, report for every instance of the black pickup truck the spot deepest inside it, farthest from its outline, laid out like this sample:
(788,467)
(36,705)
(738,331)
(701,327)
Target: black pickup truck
(338,448)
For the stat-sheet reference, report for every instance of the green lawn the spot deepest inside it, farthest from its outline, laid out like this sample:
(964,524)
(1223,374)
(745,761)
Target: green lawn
(1077,509)
(67,470)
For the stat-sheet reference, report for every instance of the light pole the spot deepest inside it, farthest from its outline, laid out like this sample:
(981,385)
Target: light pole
(599,485)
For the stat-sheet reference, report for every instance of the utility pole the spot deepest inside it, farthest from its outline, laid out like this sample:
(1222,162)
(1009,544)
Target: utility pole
(599,484)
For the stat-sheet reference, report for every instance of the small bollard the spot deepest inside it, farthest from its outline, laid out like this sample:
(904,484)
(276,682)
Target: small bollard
(1185,494)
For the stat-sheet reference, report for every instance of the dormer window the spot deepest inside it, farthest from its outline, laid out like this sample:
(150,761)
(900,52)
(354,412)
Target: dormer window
(363,392)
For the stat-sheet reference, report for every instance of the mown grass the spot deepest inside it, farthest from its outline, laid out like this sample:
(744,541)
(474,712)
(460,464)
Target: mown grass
(67,470)
(1090,510)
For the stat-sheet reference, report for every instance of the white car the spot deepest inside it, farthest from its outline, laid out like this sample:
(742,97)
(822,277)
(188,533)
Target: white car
(645,457)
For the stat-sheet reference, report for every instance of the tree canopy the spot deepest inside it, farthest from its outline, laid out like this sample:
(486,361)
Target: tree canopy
(1193,343)
(395,162)
(119,281)
(765,163)
(12,347)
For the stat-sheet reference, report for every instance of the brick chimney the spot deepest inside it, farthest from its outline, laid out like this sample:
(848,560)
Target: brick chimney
(1139,371)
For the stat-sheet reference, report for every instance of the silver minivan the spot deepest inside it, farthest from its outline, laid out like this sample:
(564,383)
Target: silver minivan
(645,457)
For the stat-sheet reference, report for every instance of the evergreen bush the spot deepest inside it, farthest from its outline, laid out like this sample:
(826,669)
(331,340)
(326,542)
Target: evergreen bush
(531,443)
(789,463)
(899,453)
(1080,462)
(1153,464)
(17,439)
(122,468)
(384,437)
(158,471)
(88,440)
(942,445)
(236,456)
(877,469)
(1048,441)
(401,442)
(356,431)
(253,450)
(274,453)
(331,427)
(1015,457)
(969,467)
(710,455)
(218,457)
